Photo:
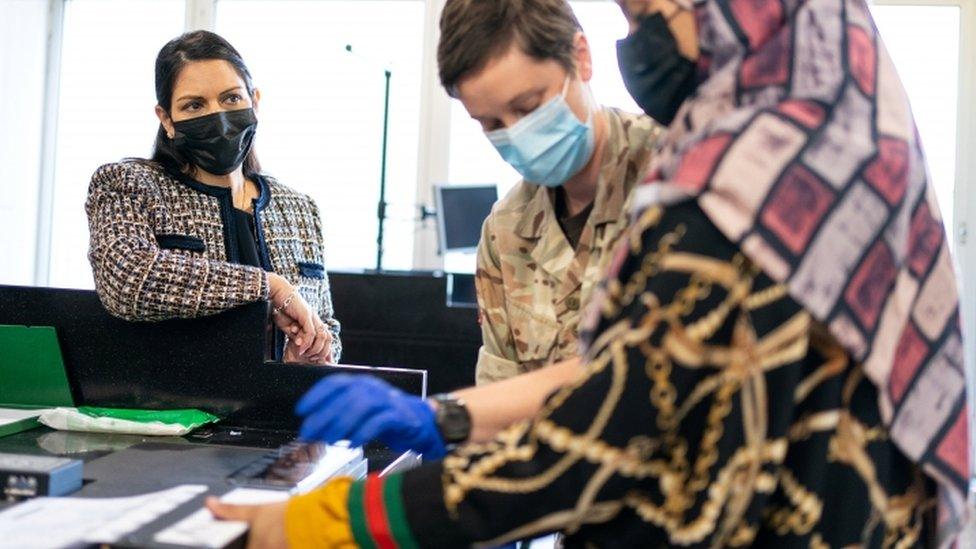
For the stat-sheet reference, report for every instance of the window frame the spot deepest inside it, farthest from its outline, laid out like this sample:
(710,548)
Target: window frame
(49,143)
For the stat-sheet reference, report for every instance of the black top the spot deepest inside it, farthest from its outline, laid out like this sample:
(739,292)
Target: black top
(572,225)
(242,225)
(247,246)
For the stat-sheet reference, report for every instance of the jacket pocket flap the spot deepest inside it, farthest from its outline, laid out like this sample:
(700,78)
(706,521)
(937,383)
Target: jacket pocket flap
(311,270)
(180,242)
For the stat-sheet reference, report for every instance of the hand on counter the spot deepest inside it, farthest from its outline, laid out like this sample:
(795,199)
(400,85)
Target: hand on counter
(362,408)
(309,340)
(319,353)
(266,522)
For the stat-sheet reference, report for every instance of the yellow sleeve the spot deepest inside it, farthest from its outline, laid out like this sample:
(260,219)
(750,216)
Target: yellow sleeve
(320,518)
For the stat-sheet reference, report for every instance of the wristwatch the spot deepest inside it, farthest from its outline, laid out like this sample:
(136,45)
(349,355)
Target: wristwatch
(453,419)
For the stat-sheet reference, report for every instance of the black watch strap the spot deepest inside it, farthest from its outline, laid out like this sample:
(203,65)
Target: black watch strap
(453,419)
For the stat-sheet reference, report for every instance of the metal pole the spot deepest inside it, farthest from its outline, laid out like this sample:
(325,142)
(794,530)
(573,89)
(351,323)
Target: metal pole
(381,207)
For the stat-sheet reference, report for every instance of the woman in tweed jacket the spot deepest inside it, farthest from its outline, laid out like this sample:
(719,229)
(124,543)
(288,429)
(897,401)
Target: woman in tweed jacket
(197,229)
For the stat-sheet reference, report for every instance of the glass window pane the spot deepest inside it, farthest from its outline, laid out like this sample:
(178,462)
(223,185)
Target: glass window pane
(23,30)
(106,109)
(321,111)
(473,159)
(604,24)
(924,44)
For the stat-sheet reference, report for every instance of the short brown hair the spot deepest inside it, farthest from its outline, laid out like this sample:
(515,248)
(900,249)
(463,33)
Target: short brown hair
(474,32)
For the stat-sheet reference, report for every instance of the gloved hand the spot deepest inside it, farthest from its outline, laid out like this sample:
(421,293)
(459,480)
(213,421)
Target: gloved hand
(362,408)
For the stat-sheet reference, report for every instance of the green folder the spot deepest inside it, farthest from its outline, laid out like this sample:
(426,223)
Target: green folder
(32,373)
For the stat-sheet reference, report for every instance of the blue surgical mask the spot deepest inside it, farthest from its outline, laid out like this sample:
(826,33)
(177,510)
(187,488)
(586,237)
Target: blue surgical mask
(549,145)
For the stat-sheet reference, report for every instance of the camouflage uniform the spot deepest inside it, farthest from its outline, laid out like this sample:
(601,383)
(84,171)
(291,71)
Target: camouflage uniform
(531,283)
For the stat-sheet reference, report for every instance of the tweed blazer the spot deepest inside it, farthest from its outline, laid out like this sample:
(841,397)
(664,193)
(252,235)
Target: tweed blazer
(160,247)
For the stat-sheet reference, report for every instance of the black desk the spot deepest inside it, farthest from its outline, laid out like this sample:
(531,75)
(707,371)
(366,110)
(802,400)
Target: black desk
(129,465)
(88,447)
(214,363)
(96,450)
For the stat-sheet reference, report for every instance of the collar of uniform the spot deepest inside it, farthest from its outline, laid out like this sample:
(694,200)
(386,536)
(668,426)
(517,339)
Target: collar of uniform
(615,183)
(612,187)
(536,215)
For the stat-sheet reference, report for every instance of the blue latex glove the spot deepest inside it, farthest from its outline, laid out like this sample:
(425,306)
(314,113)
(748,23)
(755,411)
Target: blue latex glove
(362,408)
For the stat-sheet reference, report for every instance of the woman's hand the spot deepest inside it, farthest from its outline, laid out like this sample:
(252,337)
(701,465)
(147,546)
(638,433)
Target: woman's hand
(309,340)
(266,522)
(320,352)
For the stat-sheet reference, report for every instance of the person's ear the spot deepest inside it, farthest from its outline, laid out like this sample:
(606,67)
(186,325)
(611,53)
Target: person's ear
(255,99)
(166,121)
(583,57)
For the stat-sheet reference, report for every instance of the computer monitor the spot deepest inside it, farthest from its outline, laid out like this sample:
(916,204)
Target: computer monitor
(461,210)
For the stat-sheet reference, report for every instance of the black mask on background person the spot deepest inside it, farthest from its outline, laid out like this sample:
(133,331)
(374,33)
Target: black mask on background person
(655,73)
(219,142)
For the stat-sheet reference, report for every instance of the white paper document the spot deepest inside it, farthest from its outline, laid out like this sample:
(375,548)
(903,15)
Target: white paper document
(253,496)
(44,523)
(201,529)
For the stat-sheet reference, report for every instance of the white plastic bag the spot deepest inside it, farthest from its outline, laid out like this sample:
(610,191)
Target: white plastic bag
(71,419)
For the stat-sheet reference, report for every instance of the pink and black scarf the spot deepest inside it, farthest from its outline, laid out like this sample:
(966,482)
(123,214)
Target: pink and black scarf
(799,145)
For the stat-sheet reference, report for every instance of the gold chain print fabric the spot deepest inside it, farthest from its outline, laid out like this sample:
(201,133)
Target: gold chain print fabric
(714,413)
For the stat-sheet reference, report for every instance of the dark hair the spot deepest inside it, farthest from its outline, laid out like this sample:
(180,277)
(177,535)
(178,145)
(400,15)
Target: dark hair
(475,31)
(176,54)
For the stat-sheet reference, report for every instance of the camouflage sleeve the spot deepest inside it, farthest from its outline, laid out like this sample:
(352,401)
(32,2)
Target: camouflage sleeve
(497,358)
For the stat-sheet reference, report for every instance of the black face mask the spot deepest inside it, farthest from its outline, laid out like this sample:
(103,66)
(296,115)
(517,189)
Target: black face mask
(655,73)
(219,142)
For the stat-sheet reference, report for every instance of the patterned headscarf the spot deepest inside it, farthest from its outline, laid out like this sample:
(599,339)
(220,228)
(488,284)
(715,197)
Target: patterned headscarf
(799,145)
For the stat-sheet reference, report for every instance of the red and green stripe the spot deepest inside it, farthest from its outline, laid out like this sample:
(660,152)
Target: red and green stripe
(377,515)
(357,516)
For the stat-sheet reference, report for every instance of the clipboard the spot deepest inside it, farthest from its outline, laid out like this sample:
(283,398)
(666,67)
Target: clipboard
(32,373)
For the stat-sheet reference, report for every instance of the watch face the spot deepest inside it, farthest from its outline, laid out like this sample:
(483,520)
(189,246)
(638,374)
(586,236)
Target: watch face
(453,420)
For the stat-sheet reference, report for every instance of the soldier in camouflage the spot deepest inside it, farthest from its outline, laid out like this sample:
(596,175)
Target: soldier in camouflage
(532,279)
(522,68)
